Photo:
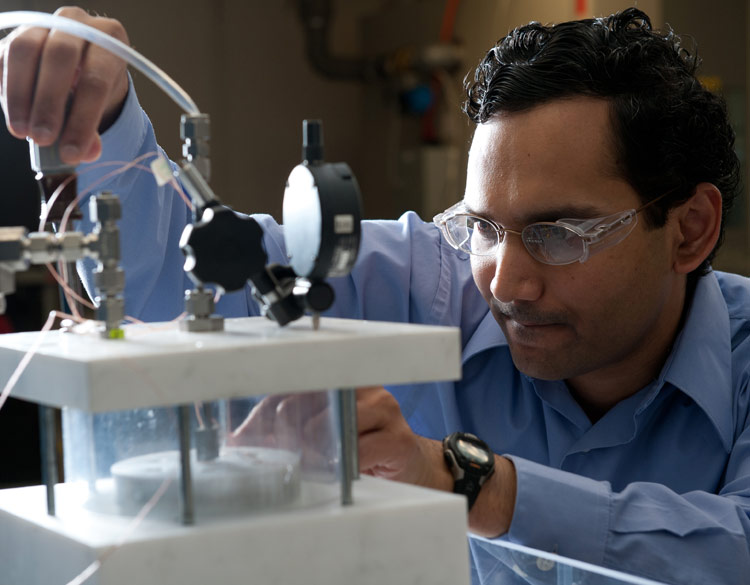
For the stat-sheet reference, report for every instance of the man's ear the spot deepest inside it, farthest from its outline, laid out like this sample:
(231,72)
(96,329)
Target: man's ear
(697,225)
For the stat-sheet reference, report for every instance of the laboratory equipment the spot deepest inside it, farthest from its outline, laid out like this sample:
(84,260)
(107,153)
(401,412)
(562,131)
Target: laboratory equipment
(390,533)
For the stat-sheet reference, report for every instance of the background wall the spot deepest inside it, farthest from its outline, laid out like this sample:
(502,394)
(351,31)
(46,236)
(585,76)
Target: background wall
(244,62)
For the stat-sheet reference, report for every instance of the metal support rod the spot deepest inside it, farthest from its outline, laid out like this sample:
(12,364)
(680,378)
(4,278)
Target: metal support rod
(48,431)
(347,413)
(187,506)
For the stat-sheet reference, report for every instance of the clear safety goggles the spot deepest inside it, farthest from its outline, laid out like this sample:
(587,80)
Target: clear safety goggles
(559,242)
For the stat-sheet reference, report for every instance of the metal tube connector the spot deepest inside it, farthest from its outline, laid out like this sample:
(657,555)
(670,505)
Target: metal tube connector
(109,278)
(195,132)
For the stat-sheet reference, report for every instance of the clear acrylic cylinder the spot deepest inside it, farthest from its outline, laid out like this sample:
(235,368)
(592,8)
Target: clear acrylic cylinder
(248,456)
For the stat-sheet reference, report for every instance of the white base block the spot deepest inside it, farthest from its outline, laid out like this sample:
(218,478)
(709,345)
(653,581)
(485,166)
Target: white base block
(394,534)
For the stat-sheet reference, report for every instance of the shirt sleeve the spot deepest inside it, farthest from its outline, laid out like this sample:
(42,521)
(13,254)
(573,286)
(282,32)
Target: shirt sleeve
(645,529)
(153,219)
(404,272)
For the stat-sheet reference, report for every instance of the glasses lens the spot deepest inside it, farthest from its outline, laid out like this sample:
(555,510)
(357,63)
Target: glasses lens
(472,234)
(552,244)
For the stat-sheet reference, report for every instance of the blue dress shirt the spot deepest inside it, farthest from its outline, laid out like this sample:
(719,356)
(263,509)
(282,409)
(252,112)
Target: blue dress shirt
(659,486)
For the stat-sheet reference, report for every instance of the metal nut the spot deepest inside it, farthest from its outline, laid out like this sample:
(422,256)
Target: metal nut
(71,246)
(195,127)
(41,248)
(109,280)
(108,245)
(202,324)
(111,310)
(105,207)
(199,303)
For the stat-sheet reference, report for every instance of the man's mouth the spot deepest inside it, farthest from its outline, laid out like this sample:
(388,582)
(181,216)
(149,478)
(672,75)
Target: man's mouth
(527,317)
(526,325)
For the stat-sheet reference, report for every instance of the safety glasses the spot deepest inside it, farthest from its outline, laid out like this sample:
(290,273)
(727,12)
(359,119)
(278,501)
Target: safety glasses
(560,242)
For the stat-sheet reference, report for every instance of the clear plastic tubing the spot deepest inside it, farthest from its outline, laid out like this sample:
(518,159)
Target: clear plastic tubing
(72,27)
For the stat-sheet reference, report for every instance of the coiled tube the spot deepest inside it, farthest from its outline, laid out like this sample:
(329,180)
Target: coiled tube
(17,18)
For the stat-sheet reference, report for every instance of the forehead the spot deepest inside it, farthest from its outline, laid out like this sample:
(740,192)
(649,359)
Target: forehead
(557,156)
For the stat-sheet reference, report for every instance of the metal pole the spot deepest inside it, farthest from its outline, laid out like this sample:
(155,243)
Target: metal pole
(48,432)
(347,413)
(187,506)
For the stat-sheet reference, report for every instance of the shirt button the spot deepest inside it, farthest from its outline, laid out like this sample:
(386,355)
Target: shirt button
(544,564)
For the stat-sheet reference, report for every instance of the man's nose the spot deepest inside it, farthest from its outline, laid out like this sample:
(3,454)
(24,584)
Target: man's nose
(517,275)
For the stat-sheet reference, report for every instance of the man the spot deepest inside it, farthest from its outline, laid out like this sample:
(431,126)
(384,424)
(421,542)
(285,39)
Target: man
(604,363)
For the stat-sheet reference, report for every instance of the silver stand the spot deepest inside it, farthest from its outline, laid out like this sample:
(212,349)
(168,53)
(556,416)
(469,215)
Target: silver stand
(187,505)
(347,414)
(49,430)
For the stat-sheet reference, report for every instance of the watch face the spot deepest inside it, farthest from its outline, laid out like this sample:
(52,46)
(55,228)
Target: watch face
(472,452)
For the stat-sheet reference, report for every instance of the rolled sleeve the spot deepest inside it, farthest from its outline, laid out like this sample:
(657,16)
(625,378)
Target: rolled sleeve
(560,512)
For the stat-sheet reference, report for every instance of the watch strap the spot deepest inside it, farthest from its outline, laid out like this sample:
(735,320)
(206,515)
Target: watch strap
(468,486)
(468,475)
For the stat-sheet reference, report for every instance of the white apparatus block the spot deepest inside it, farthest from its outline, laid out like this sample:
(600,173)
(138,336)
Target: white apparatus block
(159,365)
(394,533)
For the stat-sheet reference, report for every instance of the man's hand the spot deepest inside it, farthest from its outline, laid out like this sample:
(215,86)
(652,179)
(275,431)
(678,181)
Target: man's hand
(301,423)
(42,69)
(388,448)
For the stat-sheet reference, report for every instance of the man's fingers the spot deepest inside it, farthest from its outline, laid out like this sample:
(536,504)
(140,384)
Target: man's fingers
(58,65)
(94,86)
(386,442)
(259,422)
(55,85)
(376,409)
(22,50)
(295,409)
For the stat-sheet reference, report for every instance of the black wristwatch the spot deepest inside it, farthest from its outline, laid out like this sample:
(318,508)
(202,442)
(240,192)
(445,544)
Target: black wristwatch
(470,461)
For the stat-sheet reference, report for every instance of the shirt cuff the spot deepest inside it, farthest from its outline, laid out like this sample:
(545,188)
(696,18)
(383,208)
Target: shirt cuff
(560,512)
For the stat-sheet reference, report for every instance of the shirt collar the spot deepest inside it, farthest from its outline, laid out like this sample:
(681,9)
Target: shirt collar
(699,364)
(486,336)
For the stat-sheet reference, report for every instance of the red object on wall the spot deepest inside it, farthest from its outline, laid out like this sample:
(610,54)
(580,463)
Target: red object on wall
(581,8)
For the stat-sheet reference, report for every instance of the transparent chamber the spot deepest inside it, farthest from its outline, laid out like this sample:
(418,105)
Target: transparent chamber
(247,456)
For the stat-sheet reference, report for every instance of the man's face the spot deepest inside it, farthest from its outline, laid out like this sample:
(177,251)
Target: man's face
(612,315)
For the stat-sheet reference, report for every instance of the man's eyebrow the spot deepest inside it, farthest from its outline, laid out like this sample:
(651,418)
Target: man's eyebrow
(551,214)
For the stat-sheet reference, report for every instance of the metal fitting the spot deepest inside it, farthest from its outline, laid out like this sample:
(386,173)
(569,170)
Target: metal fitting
(105,208)
(71,246)
(46,159)
(12,249)
(199,304)
(195,132)
(111,310)
(41,247)
(110,281)
(108,247)
(196,185)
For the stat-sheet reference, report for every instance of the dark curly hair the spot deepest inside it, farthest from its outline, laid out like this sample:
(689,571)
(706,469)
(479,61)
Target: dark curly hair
(671,133)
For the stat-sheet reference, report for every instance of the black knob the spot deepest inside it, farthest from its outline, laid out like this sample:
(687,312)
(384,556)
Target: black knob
(223,248)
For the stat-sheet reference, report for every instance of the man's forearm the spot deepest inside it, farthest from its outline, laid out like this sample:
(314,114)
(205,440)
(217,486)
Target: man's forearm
(493,511)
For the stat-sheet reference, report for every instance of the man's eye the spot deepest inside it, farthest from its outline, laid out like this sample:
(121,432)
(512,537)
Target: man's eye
(484,229)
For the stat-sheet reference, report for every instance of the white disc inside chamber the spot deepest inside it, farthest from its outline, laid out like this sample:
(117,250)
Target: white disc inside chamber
(241,479)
